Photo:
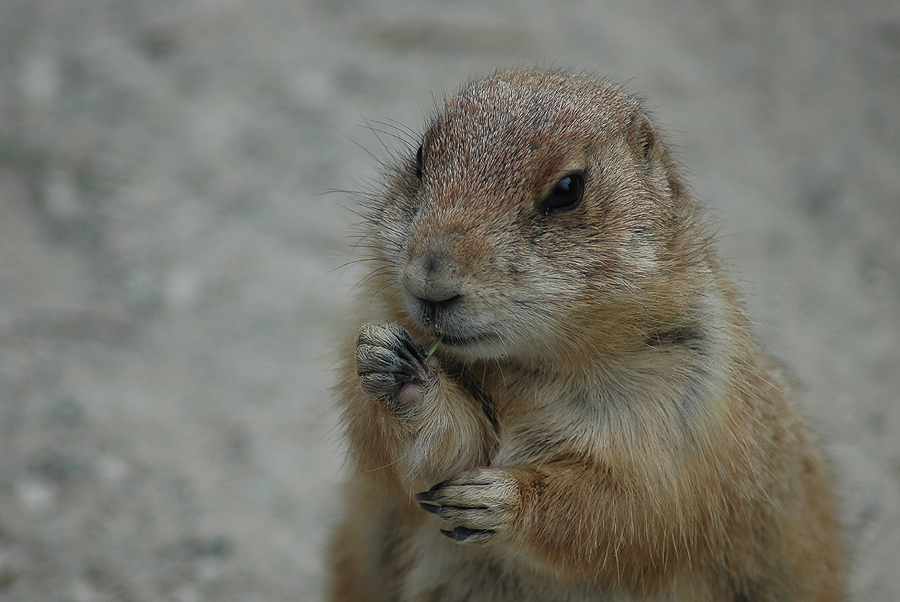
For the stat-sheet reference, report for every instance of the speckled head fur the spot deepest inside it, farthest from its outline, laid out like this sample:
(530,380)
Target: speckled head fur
(540,211)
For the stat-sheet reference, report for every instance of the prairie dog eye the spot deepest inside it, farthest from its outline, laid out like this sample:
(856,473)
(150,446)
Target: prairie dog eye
(419,161)
(566,194)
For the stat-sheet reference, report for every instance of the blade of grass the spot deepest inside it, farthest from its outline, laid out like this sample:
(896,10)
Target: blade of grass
(434,347)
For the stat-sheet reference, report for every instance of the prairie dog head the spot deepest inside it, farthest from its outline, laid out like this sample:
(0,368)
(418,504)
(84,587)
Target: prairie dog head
(540,217)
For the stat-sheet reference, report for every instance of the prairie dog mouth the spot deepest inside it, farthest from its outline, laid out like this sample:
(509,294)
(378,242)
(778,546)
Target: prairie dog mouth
(487,346)
(462,341)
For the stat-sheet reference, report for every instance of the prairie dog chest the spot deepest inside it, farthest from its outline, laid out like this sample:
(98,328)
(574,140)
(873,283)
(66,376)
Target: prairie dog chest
(546,421)
(645,412)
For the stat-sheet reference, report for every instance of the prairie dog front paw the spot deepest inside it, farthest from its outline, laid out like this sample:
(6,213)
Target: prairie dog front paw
(391,365)
(479,505)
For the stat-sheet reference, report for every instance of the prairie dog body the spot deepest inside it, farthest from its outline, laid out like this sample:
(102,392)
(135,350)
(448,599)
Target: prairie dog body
(597,422)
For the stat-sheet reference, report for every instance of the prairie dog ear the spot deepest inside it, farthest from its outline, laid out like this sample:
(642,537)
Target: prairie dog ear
(647,147)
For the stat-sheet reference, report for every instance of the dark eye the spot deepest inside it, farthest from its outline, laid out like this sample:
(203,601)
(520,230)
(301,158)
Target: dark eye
(566,195)
(419,161)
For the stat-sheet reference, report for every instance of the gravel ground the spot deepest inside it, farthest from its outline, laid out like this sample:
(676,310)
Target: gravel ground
(172,273)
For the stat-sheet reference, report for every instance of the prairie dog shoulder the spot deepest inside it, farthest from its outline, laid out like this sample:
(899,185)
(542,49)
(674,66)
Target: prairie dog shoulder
(597,418)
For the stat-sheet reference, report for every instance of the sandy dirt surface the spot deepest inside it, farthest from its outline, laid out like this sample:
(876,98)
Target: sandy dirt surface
(171,272)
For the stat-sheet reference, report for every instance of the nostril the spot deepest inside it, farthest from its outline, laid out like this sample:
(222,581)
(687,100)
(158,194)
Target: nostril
(433,281)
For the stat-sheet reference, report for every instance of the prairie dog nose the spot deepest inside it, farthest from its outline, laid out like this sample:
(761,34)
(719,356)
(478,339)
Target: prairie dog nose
(432,279)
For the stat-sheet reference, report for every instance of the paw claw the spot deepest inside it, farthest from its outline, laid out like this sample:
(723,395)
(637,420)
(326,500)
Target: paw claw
(428,496)
(432,508)
(464,535)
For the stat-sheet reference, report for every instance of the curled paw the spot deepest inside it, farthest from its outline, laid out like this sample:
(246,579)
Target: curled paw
(479,506)
(387,359)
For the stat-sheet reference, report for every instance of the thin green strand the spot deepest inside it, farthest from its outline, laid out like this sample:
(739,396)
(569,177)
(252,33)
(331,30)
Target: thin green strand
(434,347)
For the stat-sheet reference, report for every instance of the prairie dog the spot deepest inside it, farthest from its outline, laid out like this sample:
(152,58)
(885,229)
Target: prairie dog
(598,421)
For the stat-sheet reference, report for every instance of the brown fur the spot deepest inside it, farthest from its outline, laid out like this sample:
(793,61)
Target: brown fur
(599,422)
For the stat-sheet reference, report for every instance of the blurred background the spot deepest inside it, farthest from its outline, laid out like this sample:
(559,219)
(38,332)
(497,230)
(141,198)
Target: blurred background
(173,275)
